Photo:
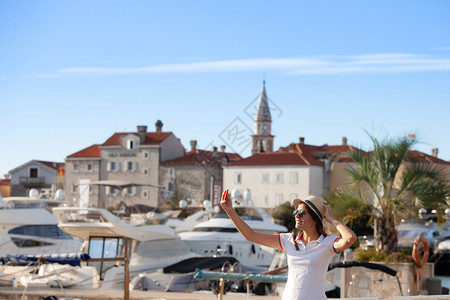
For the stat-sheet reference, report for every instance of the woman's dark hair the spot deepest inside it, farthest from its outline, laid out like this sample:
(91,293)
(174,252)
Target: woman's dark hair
(319,227)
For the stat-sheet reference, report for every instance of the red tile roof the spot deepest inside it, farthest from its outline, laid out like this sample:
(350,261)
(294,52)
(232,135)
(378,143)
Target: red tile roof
(91,151)
(296,155)
(203,157)
(5,181)
(341,149)
(416,156)
(51,164)
(151,138)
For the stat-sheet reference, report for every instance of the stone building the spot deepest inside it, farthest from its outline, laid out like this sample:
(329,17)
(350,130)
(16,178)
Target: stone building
(98,173)
(84,166)
(196,176)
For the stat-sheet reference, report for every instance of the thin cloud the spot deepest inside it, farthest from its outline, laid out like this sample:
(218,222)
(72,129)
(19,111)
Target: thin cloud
(371,63)
(379,63)
(201,67)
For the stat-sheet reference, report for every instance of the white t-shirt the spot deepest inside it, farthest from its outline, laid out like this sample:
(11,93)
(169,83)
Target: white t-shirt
(308,266)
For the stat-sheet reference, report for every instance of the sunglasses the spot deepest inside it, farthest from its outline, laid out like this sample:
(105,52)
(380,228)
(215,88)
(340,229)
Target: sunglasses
(300,213)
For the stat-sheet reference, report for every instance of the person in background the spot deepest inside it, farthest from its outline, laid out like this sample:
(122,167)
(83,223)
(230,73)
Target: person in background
(309,249)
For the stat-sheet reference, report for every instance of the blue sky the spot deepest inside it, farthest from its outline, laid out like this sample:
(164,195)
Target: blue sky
(74,72)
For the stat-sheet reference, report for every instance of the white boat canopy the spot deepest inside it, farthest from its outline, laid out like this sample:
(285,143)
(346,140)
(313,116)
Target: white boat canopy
(120,184)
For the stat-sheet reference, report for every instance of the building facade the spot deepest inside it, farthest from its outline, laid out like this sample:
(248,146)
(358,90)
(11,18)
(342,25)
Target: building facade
(125,157)
(84,166)
(299,170)
(46,176)
(197,176)
(295,171)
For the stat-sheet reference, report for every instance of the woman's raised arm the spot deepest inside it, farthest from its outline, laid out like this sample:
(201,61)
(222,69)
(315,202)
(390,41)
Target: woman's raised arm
(348,237)
(266,239)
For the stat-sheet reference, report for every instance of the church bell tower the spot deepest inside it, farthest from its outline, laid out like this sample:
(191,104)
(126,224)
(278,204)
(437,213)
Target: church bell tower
(262,137)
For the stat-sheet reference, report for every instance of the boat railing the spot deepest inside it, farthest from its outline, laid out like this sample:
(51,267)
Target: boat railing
(80,215)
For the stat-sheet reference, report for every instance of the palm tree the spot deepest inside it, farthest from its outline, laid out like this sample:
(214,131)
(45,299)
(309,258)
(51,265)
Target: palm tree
(387,185)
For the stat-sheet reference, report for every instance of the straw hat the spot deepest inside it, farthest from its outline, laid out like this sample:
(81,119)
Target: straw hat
(315,203)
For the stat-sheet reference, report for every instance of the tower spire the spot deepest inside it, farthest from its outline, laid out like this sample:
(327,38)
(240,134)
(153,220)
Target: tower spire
(262,138)
(263,111)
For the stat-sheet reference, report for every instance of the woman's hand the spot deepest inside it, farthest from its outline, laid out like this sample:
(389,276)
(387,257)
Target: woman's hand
(226,202)
(348,237)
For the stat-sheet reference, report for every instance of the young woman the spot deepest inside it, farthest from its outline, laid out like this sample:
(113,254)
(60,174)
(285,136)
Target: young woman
(309,250)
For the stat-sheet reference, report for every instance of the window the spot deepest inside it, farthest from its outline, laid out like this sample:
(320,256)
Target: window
(279,178)
(146,172)
(265,178)
(265,200)
(278,199)
(111,191)
(130,166)
(238,178)
(146,155)
(131,191)
(294,177)
(131,144)
(46,231)
(75,167)
(24,243)
(170,190)
(112,166)
(145,194)
(33,172)
(172,173)
(104,247)
(74,189)
(292,197)
(89,167)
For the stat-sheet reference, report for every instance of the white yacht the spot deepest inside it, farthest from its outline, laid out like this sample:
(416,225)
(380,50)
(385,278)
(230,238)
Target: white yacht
(150,247)
(218,235)
(189,223)
(424,226)
(27,227)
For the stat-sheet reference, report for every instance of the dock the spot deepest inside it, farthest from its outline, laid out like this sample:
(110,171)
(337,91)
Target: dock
(10,293)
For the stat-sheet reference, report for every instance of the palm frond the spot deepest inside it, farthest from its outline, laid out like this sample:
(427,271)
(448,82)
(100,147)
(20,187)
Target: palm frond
(363,172)
(348,205)
(394,186)
(427,183)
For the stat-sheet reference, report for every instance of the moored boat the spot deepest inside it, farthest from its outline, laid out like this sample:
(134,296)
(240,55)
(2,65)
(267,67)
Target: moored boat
(218,235)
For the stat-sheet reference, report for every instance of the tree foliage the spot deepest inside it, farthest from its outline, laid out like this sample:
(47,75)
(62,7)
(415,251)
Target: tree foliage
(387,185)
(283,212)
